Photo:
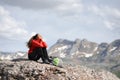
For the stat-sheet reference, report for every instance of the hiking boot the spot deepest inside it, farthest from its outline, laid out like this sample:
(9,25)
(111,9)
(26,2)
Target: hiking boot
(50,60)
(46,61)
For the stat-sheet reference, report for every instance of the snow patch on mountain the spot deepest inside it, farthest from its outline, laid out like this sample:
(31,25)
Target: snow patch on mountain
(62,48)
(62,55)
(86,54)
(20,54)
(95,49)
(3,57)
(97,52)
(112,49)
(86,46)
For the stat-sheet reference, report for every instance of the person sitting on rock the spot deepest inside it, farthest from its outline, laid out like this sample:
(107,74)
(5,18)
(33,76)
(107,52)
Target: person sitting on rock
(37,49)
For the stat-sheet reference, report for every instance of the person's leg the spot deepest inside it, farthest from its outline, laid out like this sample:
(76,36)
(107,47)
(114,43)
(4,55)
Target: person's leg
(40,53)
(46,54)
(31,56)
(35,55)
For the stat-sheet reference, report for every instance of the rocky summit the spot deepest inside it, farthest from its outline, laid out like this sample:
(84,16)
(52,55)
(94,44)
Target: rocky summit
(30,70)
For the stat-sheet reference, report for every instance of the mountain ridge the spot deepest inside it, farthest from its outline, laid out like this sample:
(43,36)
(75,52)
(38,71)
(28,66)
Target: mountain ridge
(91,54)
(82,46)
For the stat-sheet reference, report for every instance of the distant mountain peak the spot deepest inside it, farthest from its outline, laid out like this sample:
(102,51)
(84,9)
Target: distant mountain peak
(77,47)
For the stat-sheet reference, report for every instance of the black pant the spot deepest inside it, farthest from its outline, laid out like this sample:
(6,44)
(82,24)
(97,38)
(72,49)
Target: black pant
(39,53)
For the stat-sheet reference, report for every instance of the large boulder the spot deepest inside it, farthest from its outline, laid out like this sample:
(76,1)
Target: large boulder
(30,70)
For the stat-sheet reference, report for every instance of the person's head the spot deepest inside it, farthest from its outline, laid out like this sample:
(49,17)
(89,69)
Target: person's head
(35,37)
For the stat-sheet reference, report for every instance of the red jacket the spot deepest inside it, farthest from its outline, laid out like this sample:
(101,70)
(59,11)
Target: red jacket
(36,44)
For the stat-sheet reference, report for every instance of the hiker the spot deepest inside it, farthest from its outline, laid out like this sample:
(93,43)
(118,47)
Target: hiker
(37,49)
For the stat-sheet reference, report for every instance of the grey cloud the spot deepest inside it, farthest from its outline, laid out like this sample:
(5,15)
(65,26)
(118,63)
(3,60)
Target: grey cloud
(112,3)
(32,4)
(58,6)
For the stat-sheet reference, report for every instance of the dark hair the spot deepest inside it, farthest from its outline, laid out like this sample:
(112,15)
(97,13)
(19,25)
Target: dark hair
(29,42)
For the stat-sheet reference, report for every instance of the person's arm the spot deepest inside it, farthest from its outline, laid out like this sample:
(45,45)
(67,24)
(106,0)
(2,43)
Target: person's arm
(44,44)
(37,43)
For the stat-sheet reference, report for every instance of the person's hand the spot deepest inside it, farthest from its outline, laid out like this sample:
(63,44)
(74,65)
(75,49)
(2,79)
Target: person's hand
(40,37)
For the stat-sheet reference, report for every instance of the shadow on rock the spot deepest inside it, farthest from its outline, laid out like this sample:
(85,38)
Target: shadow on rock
(20,59)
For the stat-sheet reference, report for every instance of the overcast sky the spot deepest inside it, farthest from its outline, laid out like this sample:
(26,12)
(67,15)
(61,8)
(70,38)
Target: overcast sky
(94,20)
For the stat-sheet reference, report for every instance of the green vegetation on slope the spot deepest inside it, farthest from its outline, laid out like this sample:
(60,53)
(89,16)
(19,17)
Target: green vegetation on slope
(117,73)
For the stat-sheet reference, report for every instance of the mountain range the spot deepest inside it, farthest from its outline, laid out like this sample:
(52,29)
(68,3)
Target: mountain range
(87,53)
(83,48)
(12,55)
